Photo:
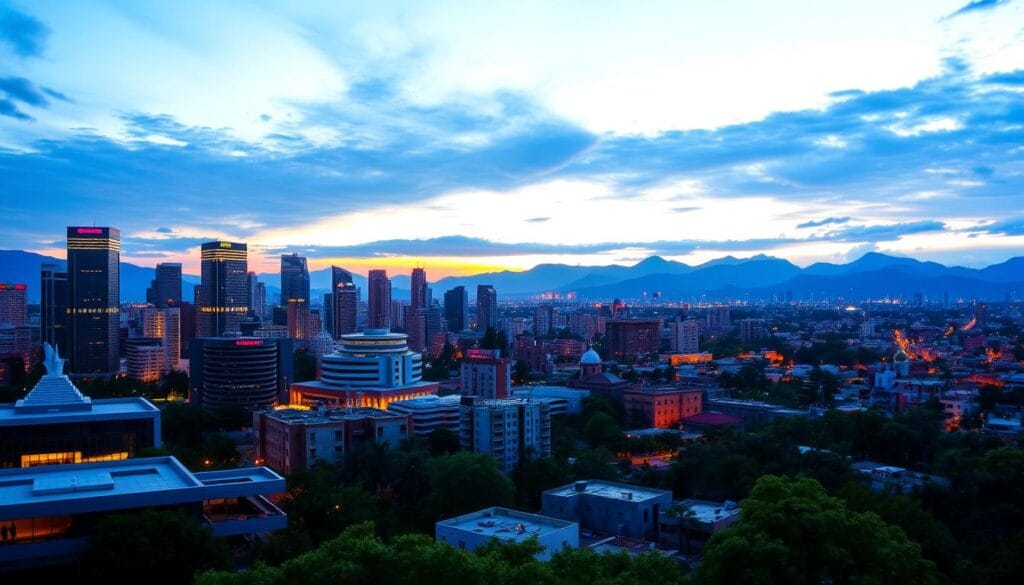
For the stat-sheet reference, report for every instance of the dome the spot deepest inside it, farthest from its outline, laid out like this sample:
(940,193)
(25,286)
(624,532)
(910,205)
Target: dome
(590,358)
(900,356)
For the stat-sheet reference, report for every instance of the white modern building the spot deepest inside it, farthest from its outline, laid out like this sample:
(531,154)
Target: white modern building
(478,528)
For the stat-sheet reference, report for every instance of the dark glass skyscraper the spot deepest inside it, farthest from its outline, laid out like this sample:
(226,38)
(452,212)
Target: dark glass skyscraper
(344,302)
(53,307)
(294,279)
(222,300)
(94,290)
(419,289)
(165,290)
(456,308)
(486,307)
(379,316)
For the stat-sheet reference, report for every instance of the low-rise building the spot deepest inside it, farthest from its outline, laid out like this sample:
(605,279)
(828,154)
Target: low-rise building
(430,413)
(688,524)
(661,407)
(473,530)
(604,507)
(561,400)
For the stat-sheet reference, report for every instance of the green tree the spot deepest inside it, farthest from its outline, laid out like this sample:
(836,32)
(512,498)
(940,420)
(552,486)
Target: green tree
(792,531)
(603,431)
(464,482)
(167,547)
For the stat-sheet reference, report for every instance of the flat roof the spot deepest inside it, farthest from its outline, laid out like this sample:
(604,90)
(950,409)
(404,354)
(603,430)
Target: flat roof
(314,416)
(607,489)
(506,524)
(105,409)
(428,402)
(706,511)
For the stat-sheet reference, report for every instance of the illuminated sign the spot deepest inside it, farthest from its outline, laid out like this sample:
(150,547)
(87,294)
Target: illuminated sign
(225,245)
(482,353)
(248,342)
(10,286)
(91,231)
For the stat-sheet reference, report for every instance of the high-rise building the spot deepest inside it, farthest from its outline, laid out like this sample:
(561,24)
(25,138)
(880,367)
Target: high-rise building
(13,304)
(398,315)
(244,371)
(94,289)
(414,322)
(188,325)
(257,296)
(379,316)
(165,325)
(53,307)
(419,289)
(684,336)
(544,319)
(222,300)
(456,309)
(344,302)
(145,358)
(300,325)
(753,330)
(508,430)
(165,290)
(629,338)
(486,307)
(718,318)
(486,374)
(294,279)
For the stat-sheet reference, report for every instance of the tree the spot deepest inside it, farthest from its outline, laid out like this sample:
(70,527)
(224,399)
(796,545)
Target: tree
(442,441)
(167,547)
(303,366)
(464,482)
(603,431)
(792,531)
(684,517)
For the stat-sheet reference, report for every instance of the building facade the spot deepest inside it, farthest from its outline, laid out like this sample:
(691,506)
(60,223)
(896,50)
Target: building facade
(509,430)
(222,300)
(608,508)
(486,374)
(53,306)
(344,302)
(486,307)
(94,300)
(629,338)
(379,314)
(476,529)
(250,372)
(456,309)
(294,279)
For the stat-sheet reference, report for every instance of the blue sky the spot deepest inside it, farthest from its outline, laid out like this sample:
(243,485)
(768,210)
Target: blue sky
(469,136)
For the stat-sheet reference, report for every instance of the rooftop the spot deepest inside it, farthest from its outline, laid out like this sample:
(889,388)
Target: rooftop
(329,414)
(428,402)
(607,489)
(708,512)
(110,408)
(506,524)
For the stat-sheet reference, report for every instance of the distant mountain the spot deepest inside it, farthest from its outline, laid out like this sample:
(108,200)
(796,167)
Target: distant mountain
(759,277)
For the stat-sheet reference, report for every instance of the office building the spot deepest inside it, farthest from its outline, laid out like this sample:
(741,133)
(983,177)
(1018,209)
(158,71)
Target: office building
(294,279)
(188,326)
(420,294)
(476,529)
(222,300)
(486,374)
(245,371)
(164,325)
(300,320)
(430,413)
(398,315)
(54,509)
(718,319)
(415,325)
(53,306)
(369,369)
(257,296)
(456,309)
(94,289)
(344,303)
(510,430)
(13,304)
(380,310)
(54,423)
(660,407)
(145,358)
(290,440)
(544,318)
(613,509)
(753,330)
(684,336)
(630,338)
(165,290)
(486,307)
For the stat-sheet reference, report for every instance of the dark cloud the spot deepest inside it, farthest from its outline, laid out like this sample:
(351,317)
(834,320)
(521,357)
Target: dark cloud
(821,222)
(164,230)
(976,6)
(1013,226)
(22,90)
(885,232)
(7,108)
(57,95)
(25,35)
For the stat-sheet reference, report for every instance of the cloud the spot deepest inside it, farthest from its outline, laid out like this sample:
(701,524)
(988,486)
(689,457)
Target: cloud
(975,6)
(21,89)
(538,219)
(821,222)
(9,109)
(885,231)
(25,35)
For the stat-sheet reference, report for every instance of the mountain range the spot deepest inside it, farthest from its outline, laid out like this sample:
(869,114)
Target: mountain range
(873,275)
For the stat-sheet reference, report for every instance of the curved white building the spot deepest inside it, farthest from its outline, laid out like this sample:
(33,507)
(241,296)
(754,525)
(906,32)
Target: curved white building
(372,368)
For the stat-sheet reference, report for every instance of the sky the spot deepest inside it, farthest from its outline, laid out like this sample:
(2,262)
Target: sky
(477,136)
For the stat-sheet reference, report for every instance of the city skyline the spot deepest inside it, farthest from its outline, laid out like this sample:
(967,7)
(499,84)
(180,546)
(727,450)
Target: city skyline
(400,136)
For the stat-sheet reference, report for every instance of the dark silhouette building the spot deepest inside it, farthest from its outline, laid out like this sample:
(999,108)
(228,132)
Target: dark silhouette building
(344,302)
(629,338)
(456,308)
(94,289)
(242,371)
(294,279)
(222,300)
(53,307)
(165,290)
(379,316)
(486,307)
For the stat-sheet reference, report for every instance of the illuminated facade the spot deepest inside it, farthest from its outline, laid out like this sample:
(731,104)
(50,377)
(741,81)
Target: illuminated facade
(222,300)
(93,306)
(344,302)
(661,407)
(13,304)
(486,374)
(55,423)
(373,369)
(245,371)
(629,338)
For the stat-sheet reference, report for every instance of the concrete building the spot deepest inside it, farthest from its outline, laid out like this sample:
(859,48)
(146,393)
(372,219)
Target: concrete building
(379,315)
(486,307)
(470,531)
(54,423)
(344,302)
(684,336)
(456,309)
(430,413)
(145,358)
(55,508)
(753,330)
(561,401)
(13,304)
(486,374)
(661,407)
(53,306)
(252,372)
(594,379)
(629,338)
(689,533)
(508,430)
(290,440)
(608,508)
(371,369)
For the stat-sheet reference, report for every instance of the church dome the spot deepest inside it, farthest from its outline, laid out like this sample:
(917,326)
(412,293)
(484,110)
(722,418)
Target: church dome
(590,358)
(900,356)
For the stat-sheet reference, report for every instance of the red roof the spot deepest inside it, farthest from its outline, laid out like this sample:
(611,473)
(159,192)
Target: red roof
(712,419)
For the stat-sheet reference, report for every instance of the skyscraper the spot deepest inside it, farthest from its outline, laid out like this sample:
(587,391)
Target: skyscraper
(13,304)
(684,336)
(257,296)
(94,290)
(486,307)
(456,308)
(419,289)
(294,279)
(380,300)
(53,319)
(344,302)
(165,290)
(222,299)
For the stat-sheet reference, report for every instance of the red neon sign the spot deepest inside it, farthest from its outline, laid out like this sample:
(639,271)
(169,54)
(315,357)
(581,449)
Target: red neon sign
(248,342)
(95,231)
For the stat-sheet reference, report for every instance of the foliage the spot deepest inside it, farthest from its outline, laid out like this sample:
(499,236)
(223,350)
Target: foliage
(464,482)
